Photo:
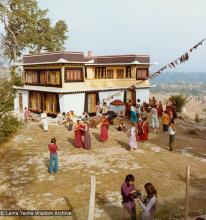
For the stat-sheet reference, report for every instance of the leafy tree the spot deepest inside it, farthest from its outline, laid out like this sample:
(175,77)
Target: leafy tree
(26,26)
(180,101)
(8,122)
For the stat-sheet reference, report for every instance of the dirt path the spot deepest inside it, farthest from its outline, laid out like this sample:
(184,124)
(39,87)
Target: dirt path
(26,184)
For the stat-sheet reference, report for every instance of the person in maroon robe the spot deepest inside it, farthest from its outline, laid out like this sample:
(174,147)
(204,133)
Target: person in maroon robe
(139,136)
(87,137)
(78,132)
(104,129)
(159,109)
(145,130)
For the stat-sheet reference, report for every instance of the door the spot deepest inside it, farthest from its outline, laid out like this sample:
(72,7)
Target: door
(20,102)
(92,102)
(131,95)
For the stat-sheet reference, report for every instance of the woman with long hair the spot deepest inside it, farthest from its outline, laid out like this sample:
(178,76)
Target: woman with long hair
(149,204)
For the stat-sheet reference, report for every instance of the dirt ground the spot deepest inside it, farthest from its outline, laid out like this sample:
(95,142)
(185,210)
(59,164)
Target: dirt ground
(26,184)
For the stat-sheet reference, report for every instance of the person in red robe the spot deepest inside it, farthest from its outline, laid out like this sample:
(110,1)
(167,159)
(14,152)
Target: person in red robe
(104,129)
(159,109)
(145,130)
(78,132)
(139,135)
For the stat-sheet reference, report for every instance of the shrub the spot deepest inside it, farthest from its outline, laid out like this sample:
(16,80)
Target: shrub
(180,101)
(8,125)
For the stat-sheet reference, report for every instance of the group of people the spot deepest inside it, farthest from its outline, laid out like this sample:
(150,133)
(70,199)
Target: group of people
(130,194)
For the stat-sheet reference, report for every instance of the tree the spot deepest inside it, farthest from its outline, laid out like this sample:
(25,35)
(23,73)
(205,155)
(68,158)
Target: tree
(26,26)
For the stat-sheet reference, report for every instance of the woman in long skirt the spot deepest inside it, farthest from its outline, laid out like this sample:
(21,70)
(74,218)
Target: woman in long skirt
(87,137)
(104,129)
(139,135)
(78,131)
(145,129)
(44,121)
(132,139)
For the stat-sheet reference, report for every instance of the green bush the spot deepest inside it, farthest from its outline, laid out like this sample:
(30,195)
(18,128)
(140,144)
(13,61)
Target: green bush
(180,101)
(8,125)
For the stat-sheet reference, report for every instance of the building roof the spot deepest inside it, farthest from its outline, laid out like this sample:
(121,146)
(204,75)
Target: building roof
(66,91)
(78,57)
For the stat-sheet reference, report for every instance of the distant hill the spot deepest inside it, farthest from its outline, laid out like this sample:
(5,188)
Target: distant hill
(177,77)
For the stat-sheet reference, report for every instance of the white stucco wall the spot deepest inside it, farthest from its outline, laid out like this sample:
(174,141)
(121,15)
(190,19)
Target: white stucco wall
(143,95)
(25,99)
(104,95)
(74,102)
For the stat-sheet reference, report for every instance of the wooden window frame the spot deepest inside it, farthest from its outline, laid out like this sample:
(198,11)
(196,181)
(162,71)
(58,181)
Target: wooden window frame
(47,84)
(140,78)
(110,75)
(121,73)
(75,80)
(100,72)
(128,72)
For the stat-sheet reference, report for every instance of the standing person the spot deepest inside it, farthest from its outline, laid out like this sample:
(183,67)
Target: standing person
(127,188)
(159,109)
(128,108)
(165,121)
(145,130)
(133,114)
(53,156)
(149,205)
(104,108)
(139,136)
(98,109)
(87,137)
(104,128)
(26,115)
(171,131)
(155,120)
(78,134)
(132,139)
(44,121)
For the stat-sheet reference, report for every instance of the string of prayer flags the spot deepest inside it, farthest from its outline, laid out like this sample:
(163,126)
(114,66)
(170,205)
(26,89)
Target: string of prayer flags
(183,58)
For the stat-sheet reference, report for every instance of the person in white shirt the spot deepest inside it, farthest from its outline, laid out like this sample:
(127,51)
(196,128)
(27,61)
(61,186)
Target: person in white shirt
(44,121)
(171,132)
(149,204)
(155,120)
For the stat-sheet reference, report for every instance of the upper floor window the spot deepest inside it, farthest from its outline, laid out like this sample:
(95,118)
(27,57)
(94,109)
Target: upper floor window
(31,76)
(128,72)
(73,74)
(100,72)
(43,77)
(53,77)
(110,73)
(120,74)
(141,73)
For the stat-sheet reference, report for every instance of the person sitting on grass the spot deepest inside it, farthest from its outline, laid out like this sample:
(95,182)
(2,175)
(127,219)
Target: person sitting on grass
(121,126)
(53,156)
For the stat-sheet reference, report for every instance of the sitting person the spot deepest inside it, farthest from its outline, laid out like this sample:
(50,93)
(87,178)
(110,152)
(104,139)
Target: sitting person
(61,118)
(85,116)
(121,126)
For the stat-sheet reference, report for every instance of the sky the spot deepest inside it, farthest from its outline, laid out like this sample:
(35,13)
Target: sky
(163,29)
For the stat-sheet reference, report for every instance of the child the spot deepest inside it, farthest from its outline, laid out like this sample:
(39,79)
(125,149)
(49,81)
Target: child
(171,131)
(53,156)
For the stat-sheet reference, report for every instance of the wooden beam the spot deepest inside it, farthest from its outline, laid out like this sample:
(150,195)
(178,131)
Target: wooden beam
(92,198)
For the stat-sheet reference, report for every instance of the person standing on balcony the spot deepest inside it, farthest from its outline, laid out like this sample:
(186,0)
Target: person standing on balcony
(44,121)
